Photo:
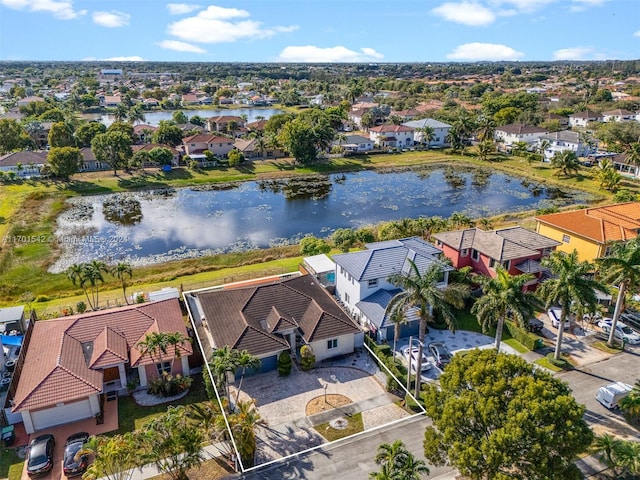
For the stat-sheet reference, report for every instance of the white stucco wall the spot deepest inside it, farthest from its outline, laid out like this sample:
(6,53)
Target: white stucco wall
(345,345)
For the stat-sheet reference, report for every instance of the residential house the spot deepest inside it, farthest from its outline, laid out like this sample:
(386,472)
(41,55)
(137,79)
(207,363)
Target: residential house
(355,116)
(407,115)
(189,99)
(142,133)
(250,148)
(561,119)
(90,163)
(151,102)
(354,144)
(582,119)
(362,281)
(618,115)
(197,144)
(27,100)
(257,126)
(514,133)
(516,249)
(566,140)
(26,163)
(592,231)
(147,147)
(71,362)
(623,163)
(269,318)
(110,100)
(227,124)
(440,131)
(399,136)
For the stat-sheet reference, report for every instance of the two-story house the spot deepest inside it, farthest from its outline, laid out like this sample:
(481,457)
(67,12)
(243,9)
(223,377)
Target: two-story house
(592,231)
(440,131)
(566,140)
(196,145)
(618,115)
(354,144)
(362,281)
(516,249)
(513,133)
(582,119)
(399,136)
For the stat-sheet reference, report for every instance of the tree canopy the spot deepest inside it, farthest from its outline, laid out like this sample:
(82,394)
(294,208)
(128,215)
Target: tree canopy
(64,161)
(112,148)
(496,417)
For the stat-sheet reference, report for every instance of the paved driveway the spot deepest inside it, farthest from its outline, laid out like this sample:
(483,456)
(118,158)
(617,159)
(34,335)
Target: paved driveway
(282,402)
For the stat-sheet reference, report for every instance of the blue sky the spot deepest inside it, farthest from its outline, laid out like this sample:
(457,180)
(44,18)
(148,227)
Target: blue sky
(371,31)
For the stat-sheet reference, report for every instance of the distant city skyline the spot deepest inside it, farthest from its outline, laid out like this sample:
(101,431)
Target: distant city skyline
(369,31)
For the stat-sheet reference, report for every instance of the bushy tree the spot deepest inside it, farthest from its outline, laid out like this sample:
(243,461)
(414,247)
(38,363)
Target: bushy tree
(112,148)
(61,135)
(307,358)
(497,417)
(284,363)
(86,132)
(64,161)
(236,157)
(12,135)
(311,245)
(167,134)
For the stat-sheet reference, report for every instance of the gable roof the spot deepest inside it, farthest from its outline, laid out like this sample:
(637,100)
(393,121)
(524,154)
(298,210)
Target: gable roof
(65,356)
(520,129)
(504,244)
(383,259)
(206,138)
(562,136)
(391,128)
(248,318)
(610,223)
(24,157)
(426,122)
(588,114)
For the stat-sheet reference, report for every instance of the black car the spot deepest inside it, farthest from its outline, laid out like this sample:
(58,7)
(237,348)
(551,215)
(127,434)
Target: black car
(535,325)
(72,466)
(440,353)
(40,460)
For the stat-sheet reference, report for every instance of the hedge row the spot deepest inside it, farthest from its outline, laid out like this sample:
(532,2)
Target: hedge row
(528,339)
(384,355)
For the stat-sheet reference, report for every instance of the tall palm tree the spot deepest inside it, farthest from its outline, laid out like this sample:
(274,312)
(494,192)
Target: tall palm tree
(633,156)
(486,127)
(570,285)
(398,463)
(425,292)
(566,162)
(244,423)
(223,362)
(428,135)
(122,270)
(605,446)
(75,273)
(543,144)
(174,340)
(398,318)
(92,272)
(622,267)
(245,361)
(485,148)
(136,114)
(154,343)
(503,296)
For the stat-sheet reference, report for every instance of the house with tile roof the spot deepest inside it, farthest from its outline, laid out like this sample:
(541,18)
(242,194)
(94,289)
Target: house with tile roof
(399,136)
(582,119)
(272,316)
(25,163)
(440,131)
(618,115)
(566,140)
(592,231)
(362,281)
(513,133)
(72,363)
(195,145)
(516,249)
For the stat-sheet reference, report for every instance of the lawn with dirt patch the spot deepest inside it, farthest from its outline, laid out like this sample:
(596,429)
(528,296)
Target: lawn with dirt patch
(352,426)
(325,403)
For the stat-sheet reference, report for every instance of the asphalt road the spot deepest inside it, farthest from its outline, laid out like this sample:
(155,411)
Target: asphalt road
(585,382)
(352,459)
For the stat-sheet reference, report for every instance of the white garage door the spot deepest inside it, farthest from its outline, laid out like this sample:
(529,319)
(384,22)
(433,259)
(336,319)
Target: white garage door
(69,412)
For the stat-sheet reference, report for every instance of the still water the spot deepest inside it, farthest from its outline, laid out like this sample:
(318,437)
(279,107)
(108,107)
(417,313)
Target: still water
(157,226)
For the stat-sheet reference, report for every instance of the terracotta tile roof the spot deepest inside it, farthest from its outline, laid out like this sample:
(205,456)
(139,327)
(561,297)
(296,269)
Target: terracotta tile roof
(391,128)
(250,317)
(619,222)
(64,356)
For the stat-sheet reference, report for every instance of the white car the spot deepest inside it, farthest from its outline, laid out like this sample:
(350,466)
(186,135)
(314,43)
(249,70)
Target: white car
(623,332)
(411,355)
(554,314)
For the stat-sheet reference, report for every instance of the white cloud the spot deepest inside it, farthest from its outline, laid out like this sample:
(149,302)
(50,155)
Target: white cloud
(637,34)
(581,5)
(312,53)
(132,58)
(467,13)
(62,9)
(181,8)
(180,46)
(523,6)
(112,19)
(484,51)
(218,25)
(574,53)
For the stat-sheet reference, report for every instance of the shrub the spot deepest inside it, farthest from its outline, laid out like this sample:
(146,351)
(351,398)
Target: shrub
(311,245)
(284,364)
(81,307)
(307,358)
(140,298)
(561,362)
(168,385)
(529,340)
(42,298)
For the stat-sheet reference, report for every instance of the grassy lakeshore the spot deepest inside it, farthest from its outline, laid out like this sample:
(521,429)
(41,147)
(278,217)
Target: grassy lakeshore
(28,211)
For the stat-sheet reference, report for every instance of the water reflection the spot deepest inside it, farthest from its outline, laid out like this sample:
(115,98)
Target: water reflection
(156,226)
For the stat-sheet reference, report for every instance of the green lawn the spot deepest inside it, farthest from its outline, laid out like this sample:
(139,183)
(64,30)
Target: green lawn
(10,464)
(132,416)
(354,426)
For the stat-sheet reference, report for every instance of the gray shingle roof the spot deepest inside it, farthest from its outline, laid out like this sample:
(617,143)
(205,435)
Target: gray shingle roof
(426,122)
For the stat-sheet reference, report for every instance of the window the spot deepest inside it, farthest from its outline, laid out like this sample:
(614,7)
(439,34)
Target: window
(164,367)
(566,238)
(475,255)
(464,252)
(346,297)
(333,343)
(492,263)
(607,251)
(341,270)
(506,265)
(547,251)
(372,283)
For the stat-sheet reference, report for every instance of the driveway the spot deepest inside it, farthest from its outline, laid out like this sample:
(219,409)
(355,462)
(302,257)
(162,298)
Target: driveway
(282,402)
(61,433)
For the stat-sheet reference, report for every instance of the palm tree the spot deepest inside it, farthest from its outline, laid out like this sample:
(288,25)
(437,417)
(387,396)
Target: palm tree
(543,144)
(75,273)
(398,463)
(633,156)
(120,271)
(174,340)
(486,127)
(605,446)
(566,162)
(428,135)
(115,457)
(244,423)
(485,224)
(570,284)
(607,175)
(136,114)
(153,343)
(425,292)
(245,361)
(485,148)
(622,267)
(92,272)
(631,403)
(121,113)
(520,147)
(223,362)
(398,318)
(502,296)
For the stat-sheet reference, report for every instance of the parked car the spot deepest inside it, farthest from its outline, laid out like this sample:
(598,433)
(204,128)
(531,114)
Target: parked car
(632,319)
(623,331)
(610,395)
(411,355)
(72,466)
(554,314)
(40,460)
(535,325)
(441,354)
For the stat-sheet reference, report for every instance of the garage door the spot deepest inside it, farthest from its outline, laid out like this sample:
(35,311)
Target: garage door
(69,412)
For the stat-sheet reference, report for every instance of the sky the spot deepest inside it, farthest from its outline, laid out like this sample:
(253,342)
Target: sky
(370,31)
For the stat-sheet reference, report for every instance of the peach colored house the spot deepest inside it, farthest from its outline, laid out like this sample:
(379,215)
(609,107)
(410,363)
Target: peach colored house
(72,364)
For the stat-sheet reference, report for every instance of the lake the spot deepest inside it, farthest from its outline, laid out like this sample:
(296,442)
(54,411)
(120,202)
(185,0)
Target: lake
(153,118)
(157,226)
